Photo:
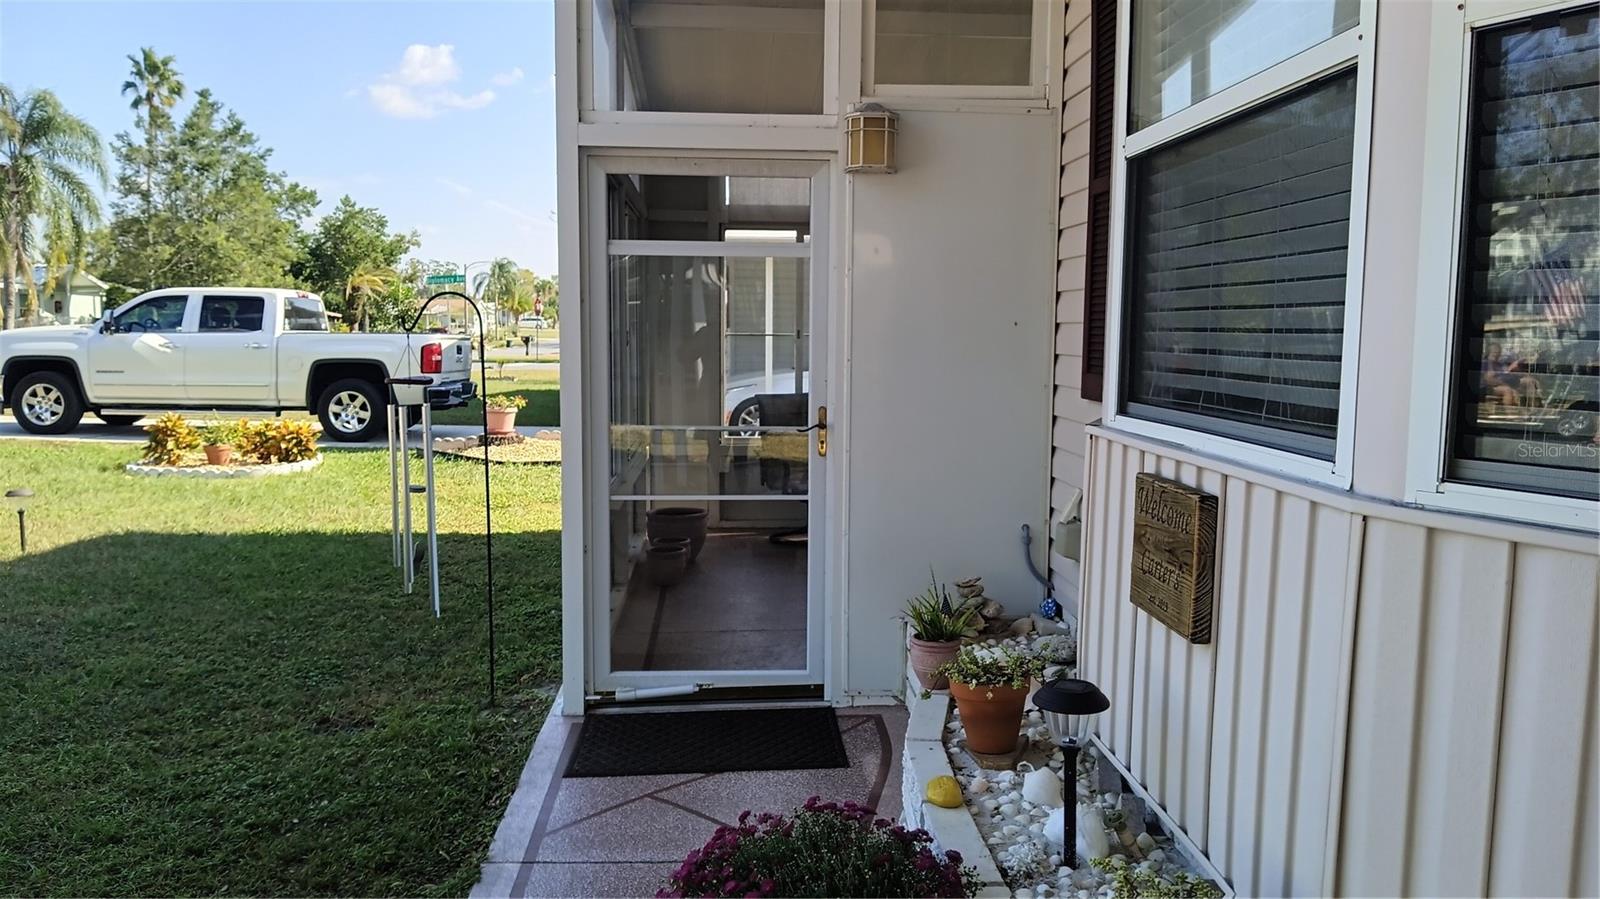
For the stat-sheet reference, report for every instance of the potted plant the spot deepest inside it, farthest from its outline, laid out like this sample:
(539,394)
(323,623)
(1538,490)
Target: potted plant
(219,439)
(503,412)
(990,685)
(937,628)
(822,849)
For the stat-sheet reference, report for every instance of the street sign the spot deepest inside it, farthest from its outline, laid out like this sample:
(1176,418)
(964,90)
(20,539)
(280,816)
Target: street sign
(445,279)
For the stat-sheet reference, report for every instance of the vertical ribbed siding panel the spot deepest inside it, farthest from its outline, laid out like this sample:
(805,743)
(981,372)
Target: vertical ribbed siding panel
(1469,593)
(1380,768)
(1228,635)
(1255,687)
(1549,703)
(1127,646)
(1199,709)
(1323,674)
(1290,544)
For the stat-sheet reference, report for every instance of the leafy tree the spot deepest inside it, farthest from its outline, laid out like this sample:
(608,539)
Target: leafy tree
(351,257)
(45,154)
(156,86)
(222,215)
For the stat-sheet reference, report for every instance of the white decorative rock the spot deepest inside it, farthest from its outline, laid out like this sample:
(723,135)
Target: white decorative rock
(1055,828)
(1042,787)
(1145,841)
(979,785)
(1092,842)
(1009,810)
(1158,856)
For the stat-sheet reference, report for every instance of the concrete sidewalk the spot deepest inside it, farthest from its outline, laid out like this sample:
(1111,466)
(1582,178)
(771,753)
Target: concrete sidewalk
(623,836)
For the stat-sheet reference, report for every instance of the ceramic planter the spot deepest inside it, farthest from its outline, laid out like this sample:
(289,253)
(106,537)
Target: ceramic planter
(664,564)
(992,715)
(675,541)
(219,454)
(502,421)
(926,658)
(678,521)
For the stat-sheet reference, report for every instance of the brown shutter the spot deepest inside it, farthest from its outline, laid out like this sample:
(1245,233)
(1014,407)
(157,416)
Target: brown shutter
(1097,270)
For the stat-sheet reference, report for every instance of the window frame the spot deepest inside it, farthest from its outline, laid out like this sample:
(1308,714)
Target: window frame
(1043,53)
(1453,30)
(1351,48)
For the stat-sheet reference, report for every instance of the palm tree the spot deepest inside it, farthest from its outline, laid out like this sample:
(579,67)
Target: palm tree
(361,286)
(45,152)
(154,81)
(499,285)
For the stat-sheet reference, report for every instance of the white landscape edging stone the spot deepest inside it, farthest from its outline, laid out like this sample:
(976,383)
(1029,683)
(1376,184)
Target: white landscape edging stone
(922,760)
(224,471)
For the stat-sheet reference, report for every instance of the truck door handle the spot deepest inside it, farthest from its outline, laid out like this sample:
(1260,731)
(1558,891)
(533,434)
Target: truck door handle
(255,346)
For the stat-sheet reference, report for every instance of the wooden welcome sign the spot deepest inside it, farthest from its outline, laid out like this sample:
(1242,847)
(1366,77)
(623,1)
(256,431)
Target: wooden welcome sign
(1174,548)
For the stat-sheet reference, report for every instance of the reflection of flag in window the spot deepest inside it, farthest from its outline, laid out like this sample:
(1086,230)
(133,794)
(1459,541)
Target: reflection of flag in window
(1560,293)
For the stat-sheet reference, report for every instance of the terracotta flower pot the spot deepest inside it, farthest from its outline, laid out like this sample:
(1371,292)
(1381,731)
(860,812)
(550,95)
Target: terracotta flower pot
(675,541)
(991,715)
(926,658)
(678,521)
(502,421)
(220,454)
(665,564)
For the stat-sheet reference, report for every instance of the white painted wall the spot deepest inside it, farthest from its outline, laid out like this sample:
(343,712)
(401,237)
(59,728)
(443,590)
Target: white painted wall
(951,318)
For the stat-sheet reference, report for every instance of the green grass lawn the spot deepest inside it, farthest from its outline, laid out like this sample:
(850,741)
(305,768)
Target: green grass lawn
(542,390)
(217,687)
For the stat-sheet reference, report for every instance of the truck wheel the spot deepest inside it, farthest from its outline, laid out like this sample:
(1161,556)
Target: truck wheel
(116,421)
(47,402)
(351,410)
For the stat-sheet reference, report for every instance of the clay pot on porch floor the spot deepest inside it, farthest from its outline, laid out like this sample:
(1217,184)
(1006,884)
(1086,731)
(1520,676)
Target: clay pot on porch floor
(664,563)
(219,454)
(927,656)
(678,521)
(991,715)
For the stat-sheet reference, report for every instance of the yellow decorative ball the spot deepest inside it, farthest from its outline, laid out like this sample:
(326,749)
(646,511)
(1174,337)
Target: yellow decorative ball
(944,792)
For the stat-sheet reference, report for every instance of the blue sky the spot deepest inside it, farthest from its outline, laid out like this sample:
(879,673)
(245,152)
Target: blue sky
(440,114)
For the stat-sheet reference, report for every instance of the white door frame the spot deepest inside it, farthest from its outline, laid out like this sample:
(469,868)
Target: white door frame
(595,166)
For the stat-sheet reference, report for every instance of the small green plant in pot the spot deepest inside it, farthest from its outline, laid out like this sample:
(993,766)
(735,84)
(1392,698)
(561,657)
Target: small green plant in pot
(990,685)
(938,624)
(219,439)
(503,412)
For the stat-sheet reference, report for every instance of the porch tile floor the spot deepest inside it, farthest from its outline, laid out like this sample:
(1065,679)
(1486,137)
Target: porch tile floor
(622,836)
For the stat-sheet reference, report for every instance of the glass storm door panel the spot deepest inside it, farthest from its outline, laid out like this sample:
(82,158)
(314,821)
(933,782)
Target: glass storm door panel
(709,467)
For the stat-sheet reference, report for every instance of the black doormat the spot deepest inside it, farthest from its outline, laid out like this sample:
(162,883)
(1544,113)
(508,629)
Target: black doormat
(707,742)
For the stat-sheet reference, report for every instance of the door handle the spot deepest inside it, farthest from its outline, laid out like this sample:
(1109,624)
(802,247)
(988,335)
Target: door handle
(821,427)
(255,346)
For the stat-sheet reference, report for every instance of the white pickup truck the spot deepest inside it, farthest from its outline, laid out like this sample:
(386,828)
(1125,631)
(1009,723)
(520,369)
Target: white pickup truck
(223,349)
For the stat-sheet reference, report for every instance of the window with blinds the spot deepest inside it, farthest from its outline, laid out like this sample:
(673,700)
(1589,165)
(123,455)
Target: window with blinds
(1528,336)
(1236,272)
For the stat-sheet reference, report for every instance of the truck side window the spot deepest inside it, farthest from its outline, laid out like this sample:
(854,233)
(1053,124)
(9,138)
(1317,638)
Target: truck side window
(154,314)
(231,313)
(304,314)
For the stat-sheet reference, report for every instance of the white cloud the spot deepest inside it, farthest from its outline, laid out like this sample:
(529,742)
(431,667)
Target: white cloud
(424,64)
(416,90)
(506,79)
(456,186)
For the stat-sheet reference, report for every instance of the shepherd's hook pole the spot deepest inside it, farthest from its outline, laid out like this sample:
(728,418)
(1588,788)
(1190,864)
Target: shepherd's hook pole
(488,519)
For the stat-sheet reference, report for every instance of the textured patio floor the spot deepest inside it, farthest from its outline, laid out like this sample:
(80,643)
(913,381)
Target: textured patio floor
(622,836)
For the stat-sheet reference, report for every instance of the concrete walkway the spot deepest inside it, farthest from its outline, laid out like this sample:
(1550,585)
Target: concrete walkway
(623,836)
(95,431)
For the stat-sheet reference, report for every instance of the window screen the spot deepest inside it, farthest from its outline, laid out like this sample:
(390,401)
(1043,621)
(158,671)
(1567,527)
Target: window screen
(1236,272)
(961,42)
(1528,346)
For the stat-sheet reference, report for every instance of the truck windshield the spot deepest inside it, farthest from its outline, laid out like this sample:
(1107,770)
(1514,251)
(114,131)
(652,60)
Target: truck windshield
(304,314)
